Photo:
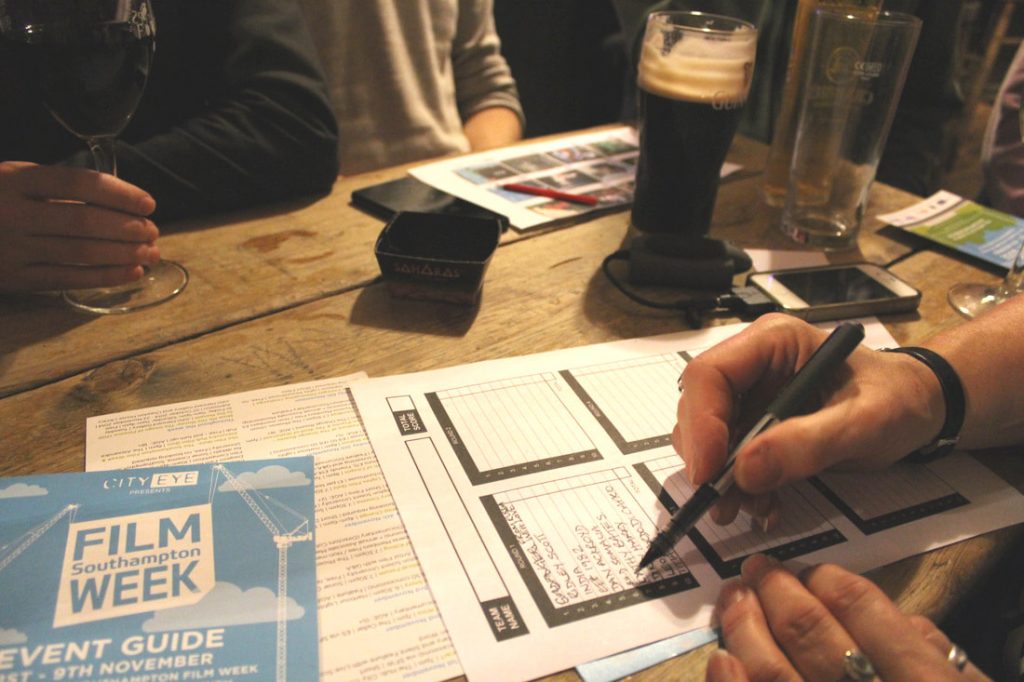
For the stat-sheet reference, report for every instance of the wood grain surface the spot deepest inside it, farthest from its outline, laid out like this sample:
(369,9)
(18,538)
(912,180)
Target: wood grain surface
(290,294)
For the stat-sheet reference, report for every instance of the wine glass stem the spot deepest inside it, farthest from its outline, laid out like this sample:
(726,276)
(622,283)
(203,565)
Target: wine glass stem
(103,156)
(1014,281)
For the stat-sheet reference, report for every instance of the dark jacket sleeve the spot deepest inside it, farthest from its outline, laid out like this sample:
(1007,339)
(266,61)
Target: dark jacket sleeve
(235,112)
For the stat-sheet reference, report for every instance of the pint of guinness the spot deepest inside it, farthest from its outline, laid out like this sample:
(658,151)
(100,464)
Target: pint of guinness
(694,75)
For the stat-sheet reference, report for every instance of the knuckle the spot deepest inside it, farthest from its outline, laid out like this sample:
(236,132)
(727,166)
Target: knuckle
(703,371)
(845,593)
(776,321)
(802,623)
(11,168)
(83,182)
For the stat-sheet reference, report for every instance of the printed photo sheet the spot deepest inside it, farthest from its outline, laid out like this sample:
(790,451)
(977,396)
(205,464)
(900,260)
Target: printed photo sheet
(532,486)
(599,164)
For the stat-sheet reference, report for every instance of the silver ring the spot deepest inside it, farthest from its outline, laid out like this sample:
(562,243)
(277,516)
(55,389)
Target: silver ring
(857,666)
(958,657)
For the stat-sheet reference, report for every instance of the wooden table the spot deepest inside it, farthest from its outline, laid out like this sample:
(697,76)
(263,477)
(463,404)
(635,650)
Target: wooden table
(289,293)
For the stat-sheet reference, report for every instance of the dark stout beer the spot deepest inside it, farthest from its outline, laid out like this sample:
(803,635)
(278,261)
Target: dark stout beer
(692,85)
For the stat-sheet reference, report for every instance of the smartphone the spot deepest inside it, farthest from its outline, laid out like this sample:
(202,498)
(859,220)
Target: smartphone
(407,193)
(835,292)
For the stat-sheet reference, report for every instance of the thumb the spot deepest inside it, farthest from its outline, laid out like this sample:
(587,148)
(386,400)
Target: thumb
(792,450)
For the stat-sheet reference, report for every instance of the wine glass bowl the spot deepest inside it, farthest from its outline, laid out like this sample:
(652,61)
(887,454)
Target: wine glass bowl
(90,60)
(972,298)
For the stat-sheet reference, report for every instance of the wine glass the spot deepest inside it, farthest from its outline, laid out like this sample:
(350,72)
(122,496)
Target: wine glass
(972,299)
(91,59)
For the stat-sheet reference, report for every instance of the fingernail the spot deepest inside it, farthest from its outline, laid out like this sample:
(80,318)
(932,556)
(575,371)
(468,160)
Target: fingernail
(722,667)
(762,513)
(688,470)
(756,567)
(149,254)
(732,592)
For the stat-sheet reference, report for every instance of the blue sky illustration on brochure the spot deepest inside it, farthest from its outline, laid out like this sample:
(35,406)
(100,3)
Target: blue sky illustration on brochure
(197,572)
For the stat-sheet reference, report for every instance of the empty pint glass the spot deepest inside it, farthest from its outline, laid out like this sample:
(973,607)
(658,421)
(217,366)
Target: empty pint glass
(852,80)
(693,79)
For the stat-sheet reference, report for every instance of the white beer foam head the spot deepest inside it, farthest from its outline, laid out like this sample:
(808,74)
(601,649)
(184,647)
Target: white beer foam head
(701,67)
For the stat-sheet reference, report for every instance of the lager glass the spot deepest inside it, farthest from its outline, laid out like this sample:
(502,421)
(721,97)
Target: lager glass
(776,173)
(693,79)
(852,81)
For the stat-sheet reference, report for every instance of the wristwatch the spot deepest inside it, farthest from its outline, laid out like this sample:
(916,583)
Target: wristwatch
(952,394)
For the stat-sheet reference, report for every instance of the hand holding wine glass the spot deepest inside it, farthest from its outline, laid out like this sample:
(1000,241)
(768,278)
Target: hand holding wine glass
(90,61)
(96,235)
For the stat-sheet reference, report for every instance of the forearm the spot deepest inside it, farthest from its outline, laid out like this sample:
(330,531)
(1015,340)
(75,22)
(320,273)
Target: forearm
(235,113)
(492,127)
(246,153)
(485,92)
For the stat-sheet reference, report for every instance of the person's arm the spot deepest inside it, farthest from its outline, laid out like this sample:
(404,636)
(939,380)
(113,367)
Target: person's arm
(776,625)
(485,91)
(70,228)
(883,407)
(235,113)
(493,127)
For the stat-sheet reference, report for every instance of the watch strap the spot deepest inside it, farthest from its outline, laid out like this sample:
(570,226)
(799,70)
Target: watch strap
(953,396)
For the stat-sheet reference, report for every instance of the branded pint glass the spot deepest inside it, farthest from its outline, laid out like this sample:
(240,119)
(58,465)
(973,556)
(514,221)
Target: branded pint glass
(694,76)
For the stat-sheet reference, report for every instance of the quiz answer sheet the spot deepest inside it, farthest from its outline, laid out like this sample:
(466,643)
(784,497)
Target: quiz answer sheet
(532,486)
(377,618)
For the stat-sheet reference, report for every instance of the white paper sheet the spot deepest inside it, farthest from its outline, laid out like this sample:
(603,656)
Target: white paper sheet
(532,486)
(778,259)
(377,618)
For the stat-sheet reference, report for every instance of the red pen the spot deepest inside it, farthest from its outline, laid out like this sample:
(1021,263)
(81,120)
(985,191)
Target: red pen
(552,193)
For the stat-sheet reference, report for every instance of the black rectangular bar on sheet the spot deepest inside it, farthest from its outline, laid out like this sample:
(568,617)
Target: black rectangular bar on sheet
(407,418)
(504,619)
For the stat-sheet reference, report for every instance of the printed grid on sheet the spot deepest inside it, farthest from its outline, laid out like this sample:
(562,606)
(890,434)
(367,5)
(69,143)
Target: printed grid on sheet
(590,525)
(874,494)
(743,537)
(514,421)
(637,395)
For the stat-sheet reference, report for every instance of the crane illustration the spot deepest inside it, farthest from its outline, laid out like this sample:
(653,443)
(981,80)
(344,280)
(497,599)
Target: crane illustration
(284,535)
(11,551)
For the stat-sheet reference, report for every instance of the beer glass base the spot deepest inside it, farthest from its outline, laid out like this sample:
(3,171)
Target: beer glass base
(819,232)
(692,263)
(773,198)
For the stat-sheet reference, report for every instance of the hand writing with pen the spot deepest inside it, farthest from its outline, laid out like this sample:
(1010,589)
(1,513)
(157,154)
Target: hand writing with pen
(828,623)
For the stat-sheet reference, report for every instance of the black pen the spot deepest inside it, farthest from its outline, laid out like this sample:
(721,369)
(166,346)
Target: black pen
(827,359)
